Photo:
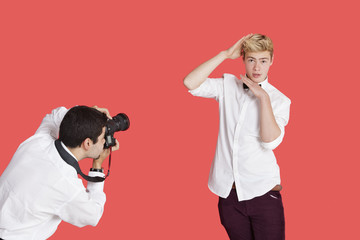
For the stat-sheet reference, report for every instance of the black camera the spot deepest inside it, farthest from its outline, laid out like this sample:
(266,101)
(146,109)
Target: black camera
(118,123)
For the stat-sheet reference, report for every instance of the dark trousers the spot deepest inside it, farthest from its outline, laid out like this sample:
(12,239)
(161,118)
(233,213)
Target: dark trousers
(261,218)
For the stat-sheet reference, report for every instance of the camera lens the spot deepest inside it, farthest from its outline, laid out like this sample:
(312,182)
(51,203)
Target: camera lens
(122,122)
(119,122)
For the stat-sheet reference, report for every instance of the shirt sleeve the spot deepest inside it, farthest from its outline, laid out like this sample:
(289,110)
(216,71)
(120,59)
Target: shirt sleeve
(86,207)
(51,122)
(282,112)
(210,88)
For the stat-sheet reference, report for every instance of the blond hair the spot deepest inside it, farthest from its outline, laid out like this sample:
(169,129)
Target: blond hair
(257,43)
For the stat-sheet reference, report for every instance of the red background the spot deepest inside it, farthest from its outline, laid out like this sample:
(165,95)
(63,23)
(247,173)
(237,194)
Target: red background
(131,57)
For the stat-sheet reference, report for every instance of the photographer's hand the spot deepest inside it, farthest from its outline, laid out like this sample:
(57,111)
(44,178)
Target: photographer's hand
(103,110)
(97,163)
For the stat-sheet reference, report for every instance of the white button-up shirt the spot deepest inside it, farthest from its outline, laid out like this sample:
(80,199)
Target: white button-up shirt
(38,188)
(241,157)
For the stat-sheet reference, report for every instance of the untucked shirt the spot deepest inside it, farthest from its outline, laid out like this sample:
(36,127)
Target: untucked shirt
(38,188)
(241,157)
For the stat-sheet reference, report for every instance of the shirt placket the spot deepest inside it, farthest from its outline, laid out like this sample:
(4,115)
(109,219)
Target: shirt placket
(236,143)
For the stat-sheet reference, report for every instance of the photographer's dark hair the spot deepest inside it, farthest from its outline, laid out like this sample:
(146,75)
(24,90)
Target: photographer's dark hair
(79,123)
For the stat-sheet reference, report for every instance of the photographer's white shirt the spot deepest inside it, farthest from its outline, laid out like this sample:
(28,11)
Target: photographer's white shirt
(241,157)
(38,188)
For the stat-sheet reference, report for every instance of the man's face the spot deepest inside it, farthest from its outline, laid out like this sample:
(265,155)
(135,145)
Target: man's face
(257,65)
(97,148)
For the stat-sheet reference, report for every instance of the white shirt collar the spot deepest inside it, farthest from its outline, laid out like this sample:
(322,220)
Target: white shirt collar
(68,151)
(264,83)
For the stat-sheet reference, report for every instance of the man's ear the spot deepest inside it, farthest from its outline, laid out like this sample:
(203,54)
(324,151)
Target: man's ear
(86,144)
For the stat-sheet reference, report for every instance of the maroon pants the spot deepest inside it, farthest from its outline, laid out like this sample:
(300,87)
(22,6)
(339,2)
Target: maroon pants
(261,218)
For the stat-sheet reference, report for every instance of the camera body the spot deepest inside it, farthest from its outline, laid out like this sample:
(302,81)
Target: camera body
(120,122)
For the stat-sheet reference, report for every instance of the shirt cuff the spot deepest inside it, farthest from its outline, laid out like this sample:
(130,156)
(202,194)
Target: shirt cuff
(96,174)
(95,186)
(273,144)
(196,91)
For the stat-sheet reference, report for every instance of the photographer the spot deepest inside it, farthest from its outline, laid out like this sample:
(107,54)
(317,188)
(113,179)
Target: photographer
(39,188)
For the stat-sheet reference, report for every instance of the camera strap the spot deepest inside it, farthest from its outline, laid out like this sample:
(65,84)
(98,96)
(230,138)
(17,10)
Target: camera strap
(73,162)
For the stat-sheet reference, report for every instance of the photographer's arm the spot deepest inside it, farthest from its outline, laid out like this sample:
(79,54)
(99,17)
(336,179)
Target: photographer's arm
(195,78)
(87,207)
(97,163)
(51,122)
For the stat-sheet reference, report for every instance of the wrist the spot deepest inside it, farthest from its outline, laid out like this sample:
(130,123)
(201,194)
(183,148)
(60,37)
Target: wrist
(264,97)
(96,165)
(224,55)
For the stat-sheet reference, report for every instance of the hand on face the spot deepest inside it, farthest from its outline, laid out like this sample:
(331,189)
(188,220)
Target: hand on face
(253,86)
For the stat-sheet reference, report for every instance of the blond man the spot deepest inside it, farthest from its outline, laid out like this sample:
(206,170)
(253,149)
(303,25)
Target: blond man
(253,115)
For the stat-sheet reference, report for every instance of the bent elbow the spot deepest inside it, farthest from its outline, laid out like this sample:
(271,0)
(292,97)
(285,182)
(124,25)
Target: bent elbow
(94,222)
(271,144)
(187,83)
(97,216)
(94,216)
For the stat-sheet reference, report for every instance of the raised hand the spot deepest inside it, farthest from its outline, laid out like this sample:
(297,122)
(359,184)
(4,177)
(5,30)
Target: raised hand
(235,51)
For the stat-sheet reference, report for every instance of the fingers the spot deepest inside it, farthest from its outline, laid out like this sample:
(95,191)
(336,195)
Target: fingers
(250,83)
(246,37)
(103,110)
(117,146)
(253,86)
(246,80)
(238,43)
(243,39)
(249,35)
(235,50)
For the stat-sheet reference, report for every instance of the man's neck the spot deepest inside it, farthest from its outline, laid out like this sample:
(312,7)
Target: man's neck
(75,152)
